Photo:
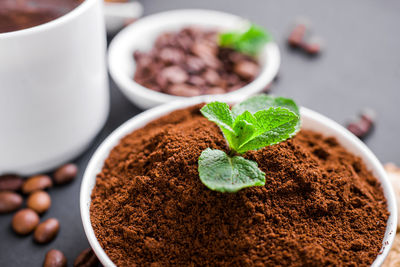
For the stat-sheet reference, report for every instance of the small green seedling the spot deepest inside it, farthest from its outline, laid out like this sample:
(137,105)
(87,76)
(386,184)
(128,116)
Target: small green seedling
(255,123)
(249,42)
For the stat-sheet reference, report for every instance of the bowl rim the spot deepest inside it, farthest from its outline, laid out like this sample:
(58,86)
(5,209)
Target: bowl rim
(77,11)
(125,82)
(97,161)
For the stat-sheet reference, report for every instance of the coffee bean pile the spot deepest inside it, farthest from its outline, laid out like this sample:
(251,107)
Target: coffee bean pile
(13,188)
(190,63)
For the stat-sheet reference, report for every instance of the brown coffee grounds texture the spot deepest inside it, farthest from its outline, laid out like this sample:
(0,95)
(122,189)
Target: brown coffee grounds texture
(320,205)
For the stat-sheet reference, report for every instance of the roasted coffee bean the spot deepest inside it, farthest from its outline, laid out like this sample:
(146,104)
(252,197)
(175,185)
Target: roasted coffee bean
(163,40)
(38,182)
(208,53)
(204,48)
(39,201)
(312,49)
(232,79)
(196,80)
(212,77)
(236,57)
(25,221)
(142,58)
(297,34)
(55,258)
(10,182)
(171,55)
(194,64)
(173,74)
(363,126)
(183,90)
(246,69)
(46,231)
(87,258)
(9,201)
(211,61)
(312,46)
(184,42)
(65,173)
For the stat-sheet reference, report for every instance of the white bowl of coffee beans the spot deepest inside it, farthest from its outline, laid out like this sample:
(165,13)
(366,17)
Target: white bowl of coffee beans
(176,54)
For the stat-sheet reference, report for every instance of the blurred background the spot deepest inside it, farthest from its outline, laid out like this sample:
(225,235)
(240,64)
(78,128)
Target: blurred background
(358,67)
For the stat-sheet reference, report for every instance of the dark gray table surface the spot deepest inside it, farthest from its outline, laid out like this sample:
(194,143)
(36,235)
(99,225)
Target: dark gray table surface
(360,67)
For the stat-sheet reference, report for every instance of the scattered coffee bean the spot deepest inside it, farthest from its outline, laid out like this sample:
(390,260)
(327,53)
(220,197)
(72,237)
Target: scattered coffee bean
(87,258)
(39,201)
(65,174)
(300,37)
(190,63)
(25,221)
(9,201)
(11,182)
(297,34)
(312,46)
(46,231)
(363,125)
(38,182)
(55,258)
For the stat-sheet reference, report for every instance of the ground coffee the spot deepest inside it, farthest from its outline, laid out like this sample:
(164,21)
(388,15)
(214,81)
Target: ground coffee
(320,205)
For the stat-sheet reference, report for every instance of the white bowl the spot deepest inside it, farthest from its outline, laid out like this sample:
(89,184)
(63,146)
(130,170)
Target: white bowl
(310,120)
(142,34)
(118,15)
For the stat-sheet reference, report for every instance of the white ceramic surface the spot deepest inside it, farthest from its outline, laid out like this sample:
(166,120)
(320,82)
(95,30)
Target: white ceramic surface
(53,90)
(118,15)
(310,120)
(142,34)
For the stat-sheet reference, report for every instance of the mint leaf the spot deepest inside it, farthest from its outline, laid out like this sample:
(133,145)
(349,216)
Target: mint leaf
(222,173)
(220,113)
(266,119)
(252,124)
(271,126)
(250,42)
(245,128)
(262,102)
(279,131)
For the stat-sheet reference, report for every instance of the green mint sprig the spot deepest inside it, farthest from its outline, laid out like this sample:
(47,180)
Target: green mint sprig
(249,42)
(255,123)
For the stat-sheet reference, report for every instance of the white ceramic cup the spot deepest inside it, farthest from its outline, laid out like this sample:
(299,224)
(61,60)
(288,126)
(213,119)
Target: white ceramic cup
(53,90)
(142,34)
(311,120)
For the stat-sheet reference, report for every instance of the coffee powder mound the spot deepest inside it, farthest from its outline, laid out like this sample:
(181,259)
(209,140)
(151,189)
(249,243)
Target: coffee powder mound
(320,205)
